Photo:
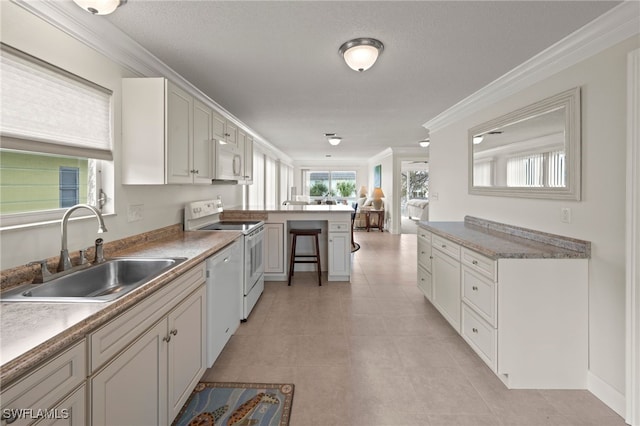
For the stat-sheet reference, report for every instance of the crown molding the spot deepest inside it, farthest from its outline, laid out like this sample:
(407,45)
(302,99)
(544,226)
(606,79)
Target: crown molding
(614,26)
(104,37)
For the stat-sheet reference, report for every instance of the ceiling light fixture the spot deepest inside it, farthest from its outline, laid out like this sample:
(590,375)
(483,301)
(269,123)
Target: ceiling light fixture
(477,139)
(424,143)
(334,140)
(361,53)
(100,7)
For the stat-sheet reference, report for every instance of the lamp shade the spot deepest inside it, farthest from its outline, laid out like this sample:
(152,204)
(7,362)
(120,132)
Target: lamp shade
(99,7)
(377,196)
(363,191)
(361,53)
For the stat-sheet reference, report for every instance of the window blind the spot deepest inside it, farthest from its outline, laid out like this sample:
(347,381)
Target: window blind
(49,110)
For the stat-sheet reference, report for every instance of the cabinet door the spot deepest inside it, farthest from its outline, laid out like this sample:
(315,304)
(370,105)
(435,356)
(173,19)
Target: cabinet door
(339,254)
(446,287)
(132,389)
(203,146)
(273,253)
(231,133)
(179,136)
(424,254)
(70,412)
(248,160)
(187,333)
(217,126)
(425,282)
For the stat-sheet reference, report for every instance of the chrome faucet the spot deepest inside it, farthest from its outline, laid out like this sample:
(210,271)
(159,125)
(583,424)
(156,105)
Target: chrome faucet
(65,261)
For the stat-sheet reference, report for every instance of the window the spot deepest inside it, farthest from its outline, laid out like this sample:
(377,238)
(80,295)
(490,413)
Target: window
(55,127)
(69,186)
(482,172)
(329,184)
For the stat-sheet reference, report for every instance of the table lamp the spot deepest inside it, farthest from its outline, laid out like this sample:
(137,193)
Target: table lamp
(377,196)
(363,191)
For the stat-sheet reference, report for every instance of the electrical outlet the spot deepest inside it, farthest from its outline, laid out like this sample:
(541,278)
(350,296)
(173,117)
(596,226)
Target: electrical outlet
(434,196)
(135,212)
(565,214)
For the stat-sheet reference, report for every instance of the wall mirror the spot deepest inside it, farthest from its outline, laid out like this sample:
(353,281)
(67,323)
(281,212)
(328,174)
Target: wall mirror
(533,152)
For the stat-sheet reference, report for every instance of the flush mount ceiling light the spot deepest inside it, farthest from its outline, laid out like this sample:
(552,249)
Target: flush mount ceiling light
(478,139)
(361,53)
(424,143)
(100,7)
(332,138)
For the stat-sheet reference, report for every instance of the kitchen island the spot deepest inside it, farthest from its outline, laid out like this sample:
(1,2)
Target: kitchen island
(335,239)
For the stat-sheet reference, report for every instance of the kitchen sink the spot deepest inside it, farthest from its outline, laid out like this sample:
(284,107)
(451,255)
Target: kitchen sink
(103,282)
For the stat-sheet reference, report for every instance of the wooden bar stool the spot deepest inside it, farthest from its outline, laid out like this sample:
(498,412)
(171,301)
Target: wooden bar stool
(314,258)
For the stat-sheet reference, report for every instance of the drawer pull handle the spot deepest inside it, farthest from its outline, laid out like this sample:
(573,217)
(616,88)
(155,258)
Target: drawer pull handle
(474,288)
(166,339)
(475,330)
(475,262)
(430,257)
(174,332)
(444,246)
(421,252)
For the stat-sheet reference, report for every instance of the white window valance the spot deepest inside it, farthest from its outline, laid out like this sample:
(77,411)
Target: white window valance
(47,109)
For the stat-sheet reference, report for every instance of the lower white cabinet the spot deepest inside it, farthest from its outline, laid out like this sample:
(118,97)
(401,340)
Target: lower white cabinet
(273,253)
(446,286)
(339,250)
(49,392)
(526,318)
(147,383)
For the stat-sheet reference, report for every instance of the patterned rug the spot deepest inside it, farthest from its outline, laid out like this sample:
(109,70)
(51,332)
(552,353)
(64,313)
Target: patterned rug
(237,404)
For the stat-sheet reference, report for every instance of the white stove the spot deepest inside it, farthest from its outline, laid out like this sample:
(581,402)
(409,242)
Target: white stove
(205,216)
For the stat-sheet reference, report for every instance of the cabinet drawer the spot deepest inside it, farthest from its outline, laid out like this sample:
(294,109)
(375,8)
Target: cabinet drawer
(446,246)
(118,333)
(424,235)
(424,254)
(44,387)
(479,293)
(479,263)
(480,335)
(339,227)
(425,282)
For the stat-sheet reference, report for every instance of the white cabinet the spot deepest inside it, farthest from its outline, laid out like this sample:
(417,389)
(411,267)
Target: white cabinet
(155,351)
(57,385)
(273,253)
(446,286)
(166,134)
(339,250)
(224,297)
(70,412)
(248,160)
(224,130)
(160,368)
(425,281)
(526,318)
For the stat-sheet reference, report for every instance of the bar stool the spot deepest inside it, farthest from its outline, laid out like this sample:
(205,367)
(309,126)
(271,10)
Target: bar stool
(315,258)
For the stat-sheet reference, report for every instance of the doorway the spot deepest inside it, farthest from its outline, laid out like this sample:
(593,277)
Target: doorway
(414,194)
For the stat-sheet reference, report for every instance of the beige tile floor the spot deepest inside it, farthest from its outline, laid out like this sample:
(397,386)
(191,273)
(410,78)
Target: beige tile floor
(375,352)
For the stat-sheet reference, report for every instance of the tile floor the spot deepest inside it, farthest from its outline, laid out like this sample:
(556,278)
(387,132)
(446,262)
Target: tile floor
(375,352)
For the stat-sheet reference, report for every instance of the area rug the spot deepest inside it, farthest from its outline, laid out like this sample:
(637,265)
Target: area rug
(355,247)
(236,404)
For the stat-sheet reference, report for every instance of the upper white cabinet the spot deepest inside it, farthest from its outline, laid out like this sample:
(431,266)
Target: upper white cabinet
(158,134)
(170,137)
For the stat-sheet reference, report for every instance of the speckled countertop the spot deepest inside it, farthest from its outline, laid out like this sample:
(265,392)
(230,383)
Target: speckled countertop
(31,332)
(310,208)
(502,241)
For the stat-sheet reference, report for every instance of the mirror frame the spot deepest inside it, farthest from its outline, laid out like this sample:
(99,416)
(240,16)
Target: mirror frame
(570,100)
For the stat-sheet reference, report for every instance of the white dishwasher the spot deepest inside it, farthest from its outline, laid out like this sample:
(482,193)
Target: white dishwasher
(224,301)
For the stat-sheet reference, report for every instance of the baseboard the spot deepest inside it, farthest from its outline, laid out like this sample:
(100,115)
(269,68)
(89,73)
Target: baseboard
(606,393)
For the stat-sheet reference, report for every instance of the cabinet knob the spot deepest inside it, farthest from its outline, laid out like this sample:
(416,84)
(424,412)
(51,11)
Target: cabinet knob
(444,246)
(421,252)
(174,332)
(166,339)
(475,262)
(475,330)
(474,288)
(430,257)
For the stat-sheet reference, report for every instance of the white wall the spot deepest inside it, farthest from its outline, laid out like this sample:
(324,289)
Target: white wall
(599,217)
(162,204)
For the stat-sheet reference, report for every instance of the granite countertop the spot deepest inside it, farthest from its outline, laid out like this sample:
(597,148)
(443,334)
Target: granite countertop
(32,332)
(310,208)
(501,241)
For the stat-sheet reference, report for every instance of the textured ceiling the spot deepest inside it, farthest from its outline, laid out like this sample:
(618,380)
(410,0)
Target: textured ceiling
(275,64)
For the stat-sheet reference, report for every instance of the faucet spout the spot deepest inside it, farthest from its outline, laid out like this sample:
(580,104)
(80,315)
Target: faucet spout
(65,261)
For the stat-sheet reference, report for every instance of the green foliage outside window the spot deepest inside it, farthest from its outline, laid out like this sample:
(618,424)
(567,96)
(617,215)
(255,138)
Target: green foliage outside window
(346,188)
(318,189)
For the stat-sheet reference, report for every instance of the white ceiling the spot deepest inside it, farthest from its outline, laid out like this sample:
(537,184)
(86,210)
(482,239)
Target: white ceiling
(275,64)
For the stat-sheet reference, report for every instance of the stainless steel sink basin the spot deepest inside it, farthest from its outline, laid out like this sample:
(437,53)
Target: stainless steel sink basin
(99,283)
